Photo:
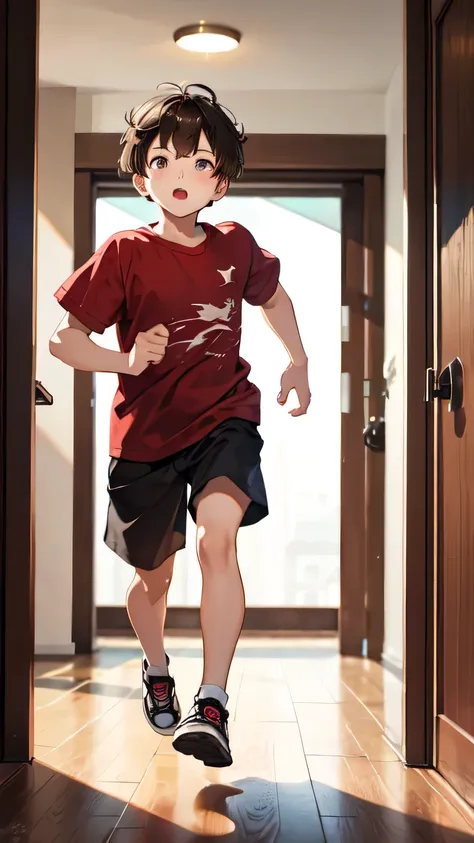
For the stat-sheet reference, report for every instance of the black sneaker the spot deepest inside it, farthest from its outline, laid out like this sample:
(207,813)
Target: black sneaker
(204,733)
(159,698)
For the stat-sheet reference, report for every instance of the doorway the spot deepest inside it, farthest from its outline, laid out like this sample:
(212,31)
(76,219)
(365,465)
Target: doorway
(346,166)
(291,173)
(291,561)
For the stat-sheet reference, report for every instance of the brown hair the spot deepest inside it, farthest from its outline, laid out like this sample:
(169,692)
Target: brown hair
(181,114)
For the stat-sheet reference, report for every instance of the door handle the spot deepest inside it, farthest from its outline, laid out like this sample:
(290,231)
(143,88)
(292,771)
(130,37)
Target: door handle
(449,386)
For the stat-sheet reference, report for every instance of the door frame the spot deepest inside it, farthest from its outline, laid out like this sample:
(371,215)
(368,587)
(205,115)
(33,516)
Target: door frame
(420,263)
(325,161)
(18,105)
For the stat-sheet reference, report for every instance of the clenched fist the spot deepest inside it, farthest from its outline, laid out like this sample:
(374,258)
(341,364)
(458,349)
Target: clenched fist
(150,347)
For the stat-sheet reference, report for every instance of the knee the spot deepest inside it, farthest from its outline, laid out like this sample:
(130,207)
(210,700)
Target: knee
(215,548)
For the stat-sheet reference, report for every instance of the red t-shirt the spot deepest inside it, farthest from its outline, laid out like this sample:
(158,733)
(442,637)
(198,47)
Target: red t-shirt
(137,280)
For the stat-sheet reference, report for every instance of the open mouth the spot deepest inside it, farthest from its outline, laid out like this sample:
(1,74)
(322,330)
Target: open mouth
(179,193)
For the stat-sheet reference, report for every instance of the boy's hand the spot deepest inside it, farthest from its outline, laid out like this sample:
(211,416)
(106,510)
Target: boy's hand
(296,377)
(150,347)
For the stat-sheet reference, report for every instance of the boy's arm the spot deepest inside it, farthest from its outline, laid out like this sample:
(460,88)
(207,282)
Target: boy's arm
(71,343)
(279,314)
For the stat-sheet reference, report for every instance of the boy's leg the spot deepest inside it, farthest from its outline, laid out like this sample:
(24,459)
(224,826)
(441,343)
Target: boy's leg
(146,526)
(219,512)
(146,606)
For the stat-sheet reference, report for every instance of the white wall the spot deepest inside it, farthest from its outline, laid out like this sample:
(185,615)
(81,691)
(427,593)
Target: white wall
(395,406)
(304,112)
(54,425)
(395,358)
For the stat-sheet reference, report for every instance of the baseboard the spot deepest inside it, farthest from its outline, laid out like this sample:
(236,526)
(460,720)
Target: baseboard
(261,619)
(55,649)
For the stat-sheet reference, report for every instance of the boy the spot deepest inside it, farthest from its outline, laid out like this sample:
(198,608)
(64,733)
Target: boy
(185,411)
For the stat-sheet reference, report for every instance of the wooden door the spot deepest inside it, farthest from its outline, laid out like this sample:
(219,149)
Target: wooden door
(453,123)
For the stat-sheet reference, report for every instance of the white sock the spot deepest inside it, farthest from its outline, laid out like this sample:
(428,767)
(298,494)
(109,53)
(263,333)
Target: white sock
(156,670)
(152,671)
(215,692)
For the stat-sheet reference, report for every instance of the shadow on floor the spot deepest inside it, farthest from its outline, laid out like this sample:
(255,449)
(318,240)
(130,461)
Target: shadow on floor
(41,805)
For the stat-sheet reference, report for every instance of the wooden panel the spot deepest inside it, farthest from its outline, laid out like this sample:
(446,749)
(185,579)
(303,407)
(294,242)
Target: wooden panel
(115,618)
(100,151)
(352,618)
(17,397)
(374,462)
(455,134)
(418,224)
(456,758)
(83,615)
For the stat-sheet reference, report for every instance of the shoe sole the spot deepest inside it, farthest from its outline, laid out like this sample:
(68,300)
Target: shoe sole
(204,747)
(164,731)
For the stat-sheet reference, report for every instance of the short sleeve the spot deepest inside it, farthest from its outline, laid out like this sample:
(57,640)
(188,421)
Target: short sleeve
(95,293)
(263,276)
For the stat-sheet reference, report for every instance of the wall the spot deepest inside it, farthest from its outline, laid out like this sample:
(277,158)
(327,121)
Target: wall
(325,112)
(54,426)
(395,319)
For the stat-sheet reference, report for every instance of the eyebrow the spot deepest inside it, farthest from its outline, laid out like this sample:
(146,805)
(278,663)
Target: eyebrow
(164,149)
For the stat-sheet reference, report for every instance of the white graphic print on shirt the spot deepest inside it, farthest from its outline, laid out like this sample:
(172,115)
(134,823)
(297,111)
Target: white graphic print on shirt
(207,312)
(227,275)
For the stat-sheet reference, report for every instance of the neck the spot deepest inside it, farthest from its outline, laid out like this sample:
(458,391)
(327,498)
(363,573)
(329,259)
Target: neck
(178,229)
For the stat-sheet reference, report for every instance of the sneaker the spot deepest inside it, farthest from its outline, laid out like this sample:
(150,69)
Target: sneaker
(204,733)
(160,703)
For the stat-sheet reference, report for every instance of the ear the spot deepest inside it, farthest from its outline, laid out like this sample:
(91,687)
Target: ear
(221,191)
(139,182)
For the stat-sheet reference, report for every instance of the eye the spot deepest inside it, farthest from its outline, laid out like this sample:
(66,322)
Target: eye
(158,163)
(202,164)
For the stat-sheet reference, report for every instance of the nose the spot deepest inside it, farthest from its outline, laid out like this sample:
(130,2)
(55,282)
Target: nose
(181,174)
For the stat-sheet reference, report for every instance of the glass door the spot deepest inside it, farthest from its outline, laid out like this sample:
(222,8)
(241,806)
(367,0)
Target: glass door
(291,558)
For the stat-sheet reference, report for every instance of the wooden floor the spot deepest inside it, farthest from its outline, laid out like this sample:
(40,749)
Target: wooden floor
(311,760)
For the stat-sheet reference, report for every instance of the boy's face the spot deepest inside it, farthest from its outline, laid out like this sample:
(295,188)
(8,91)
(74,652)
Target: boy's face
(182,186)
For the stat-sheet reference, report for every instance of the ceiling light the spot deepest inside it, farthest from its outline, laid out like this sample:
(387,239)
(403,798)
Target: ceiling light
(207,38)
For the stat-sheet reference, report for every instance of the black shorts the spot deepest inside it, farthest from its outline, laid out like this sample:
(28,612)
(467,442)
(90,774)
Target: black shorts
(146,520)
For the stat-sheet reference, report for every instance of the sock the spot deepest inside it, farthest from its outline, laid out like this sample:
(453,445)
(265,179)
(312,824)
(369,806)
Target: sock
(215,692)
(152,671)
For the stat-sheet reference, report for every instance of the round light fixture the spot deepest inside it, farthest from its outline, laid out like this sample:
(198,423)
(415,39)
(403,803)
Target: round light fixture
(207,38)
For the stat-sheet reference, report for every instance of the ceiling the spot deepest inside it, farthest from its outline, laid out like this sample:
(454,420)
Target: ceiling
(119,45)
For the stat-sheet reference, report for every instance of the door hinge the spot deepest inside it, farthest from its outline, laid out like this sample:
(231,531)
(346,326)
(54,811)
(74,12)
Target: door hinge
(449,385)
(435,389)
(345,323)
